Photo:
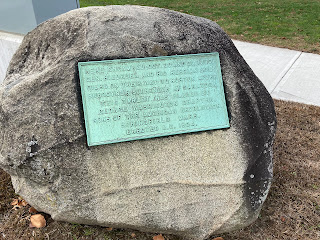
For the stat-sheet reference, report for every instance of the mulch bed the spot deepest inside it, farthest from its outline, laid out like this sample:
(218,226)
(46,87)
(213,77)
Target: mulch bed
(291,211)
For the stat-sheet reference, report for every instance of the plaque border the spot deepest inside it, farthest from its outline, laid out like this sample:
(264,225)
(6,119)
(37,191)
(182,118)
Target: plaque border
(148,136)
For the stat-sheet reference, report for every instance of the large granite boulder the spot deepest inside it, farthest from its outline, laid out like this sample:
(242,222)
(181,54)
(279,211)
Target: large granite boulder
(191,185)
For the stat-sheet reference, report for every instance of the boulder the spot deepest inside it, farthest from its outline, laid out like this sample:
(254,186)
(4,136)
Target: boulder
(193,185)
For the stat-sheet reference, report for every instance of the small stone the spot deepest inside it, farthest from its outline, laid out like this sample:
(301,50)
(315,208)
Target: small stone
(37,221)
(158,237)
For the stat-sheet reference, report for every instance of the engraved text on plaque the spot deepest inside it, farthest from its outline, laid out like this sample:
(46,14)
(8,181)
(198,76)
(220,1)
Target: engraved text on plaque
(130,99)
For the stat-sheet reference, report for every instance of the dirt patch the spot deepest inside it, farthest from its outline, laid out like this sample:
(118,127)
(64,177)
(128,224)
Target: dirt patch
(291,211)
(6,193)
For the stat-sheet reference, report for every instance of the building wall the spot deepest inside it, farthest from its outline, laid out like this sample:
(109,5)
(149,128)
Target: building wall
(9,43)
(21,16)
(18,17)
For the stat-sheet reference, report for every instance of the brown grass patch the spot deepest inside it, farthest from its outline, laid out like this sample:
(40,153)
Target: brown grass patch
(6,193)
(291,211)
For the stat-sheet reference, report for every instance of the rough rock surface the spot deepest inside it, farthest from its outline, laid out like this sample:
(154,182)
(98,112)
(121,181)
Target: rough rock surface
(191,185)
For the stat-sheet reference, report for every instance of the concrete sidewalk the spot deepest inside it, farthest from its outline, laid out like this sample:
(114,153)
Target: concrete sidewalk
(9,43)
(287,74)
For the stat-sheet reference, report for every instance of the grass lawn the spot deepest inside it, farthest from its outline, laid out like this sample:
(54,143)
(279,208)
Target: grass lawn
(293,24)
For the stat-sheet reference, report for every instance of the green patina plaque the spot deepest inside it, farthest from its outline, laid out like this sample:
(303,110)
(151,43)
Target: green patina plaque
(138,98)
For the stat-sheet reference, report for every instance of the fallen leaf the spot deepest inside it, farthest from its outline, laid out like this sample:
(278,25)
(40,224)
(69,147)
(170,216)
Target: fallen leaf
(18,203)
(109,229)
(158,237)
(32,210)
(283,219)
(16,207)
(37,221)
(15,202)
(23,203)
(133,235)
(218,238)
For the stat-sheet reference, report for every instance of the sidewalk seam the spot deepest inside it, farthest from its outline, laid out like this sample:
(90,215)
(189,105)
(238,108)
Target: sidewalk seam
(285,72)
